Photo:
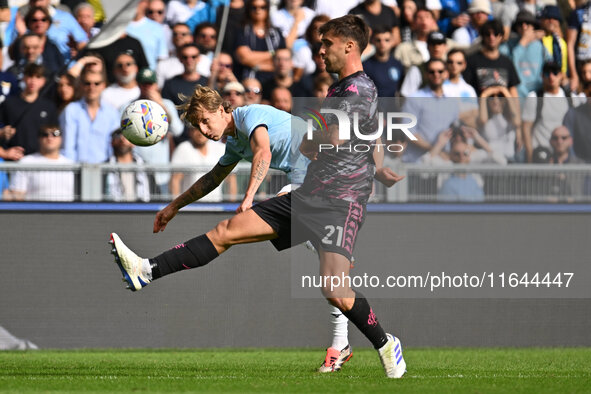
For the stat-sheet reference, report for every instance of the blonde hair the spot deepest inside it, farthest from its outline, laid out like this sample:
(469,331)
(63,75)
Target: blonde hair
(203,99)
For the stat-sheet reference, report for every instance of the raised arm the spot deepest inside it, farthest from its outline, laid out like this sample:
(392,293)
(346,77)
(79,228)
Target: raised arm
(199,189)
(261,160)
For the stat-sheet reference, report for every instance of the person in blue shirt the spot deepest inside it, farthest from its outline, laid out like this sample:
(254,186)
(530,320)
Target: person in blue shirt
(88,123)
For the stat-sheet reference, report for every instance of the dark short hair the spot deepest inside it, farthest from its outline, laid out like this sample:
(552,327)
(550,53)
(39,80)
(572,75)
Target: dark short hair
(493,25)
(349,26)
(551,66)
(433,60)
(204,25)
(29,15)
(456,50)
(34,70)
(379,30)
(189,45)
(425,9)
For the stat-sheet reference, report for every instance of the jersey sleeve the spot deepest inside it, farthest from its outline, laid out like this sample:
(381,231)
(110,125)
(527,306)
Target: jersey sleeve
(251,118)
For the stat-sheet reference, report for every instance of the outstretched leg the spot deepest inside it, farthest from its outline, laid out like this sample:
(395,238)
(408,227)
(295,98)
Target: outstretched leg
(245,227)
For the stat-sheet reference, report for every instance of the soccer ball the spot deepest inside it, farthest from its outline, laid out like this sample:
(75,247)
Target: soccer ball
(144,122)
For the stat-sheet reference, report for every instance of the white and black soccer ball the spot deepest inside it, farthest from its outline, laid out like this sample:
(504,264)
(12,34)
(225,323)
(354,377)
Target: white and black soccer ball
(144,122)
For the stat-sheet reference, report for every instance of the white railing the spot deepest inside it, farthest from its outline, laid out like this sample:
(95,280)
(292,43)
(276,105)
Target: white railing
(472,183)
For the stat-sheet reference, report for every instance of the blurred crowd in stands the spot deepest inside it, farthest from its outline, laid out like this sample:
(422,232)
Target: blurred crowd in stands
(489,81)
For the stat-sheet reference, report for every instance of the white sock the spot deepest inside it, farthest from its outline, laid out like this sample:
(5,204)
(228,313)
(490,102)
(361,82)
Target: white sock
(146,269)
(340,330)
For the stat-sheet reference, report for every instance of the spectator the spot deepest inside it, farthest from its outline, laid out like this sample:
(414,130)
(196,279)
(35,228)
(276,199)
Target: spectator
(303,62)
(551,19)
(122,185)
(125,89)
(416,75)
(200,153)
(454,16)
(206,38)
(577,120)
(415,52)
(108,53)
(29,111)
(184,84)
(479,12)
(283,74)
(578,37)
(233,92)
(379,16)
(37,22)
(222,69)
(180,10)
(561,142)
(292,18)
(31,49)
(65,32)
(235,18)
(8,81)
(87,123)
(527,52)
(257,42)
(156,11)
(407,17)
(322,83)
(84,14)
(455,86)
(66,91)
(281,99)
(544,109)
(43,185)
(488,67)
(172,66)
(386,72)
(253,91)
(433,111)
(150,34)
(205,14)
(500,122)
(461,186)
(305,86)
(92,60)
(158,153)
(564,186)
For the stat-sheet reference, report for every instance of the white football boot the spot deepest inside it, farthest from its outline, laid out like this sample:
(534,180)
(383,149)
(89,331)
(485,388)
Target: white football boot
(129,263)
(391,357)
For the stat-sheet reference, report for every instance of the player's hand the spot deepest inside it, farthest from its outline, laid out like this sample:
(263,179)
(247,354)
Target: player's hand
(163,217)
(387,177)
(245,204)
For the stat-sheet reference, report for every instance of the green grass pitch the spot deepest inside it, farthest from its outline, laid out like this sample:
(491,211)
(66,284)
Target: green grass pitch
(293,370)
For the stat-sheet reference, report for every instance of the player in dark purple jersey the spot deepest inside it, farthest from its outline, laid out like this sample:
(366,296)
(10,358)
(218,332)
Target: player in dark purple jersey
(334,194)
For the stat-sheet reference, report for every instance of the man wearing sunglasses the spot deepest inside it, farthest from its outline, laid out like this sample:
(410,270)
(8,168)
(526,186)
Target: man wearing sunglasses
(150,34)
(544,109)
(172,66)
(433,109)
(87,123)
(186,82)
(43,185)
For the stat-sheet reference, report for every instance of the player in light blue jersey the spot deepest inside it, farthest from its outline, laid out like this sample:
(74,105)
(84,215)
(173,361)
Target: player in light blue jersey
(268,138)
